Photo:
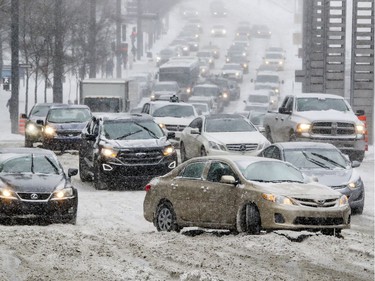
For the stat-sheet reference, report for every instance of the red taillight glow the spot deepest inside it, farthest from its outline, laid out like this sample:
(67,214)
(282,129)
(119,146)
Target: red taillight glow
(148,187)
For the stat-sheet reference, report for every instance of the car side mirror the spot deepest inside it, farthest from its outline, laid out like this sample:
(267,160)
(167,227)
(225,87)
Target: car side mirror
(72,172)
(40,122)
(284,110)
(228,179)
(23,116)
(356,164)
(194,131)
(360,112)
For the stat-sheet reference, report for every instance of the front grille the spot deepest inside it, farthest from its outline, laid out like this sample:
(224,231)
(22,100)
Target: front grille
(175,128)
(242,146)
(333,128)
(141,156)
(318,221)
(33,196)
(68,134)
(327,203)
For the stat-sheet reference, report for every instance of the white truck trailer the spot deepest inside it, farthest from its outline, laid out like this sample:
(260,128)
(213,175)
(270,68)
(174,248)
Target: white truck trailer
(109,95)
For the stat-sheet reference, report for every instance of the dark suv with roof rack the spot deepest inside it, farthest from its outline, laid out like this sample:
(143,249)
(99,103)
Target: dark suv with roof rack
(122,150)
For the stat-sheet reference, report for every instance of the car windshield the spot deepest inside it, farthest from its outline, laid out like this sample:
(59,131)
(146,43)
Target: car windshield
(206,91)
(228,125)
(165,87)
(237,59)
(269,171)
(318,104)
(131,130)
(273,56)
(69,115)
(178,111)
(258,98)
(232,66)
(267,79)
(29,163)
(40,110)
(201,106)
(256,108)
(316,158)
(203,54)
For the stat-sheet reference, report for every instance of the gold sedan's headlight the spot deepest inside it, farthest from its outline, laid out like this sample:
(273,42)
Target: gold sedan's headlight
(277,199)
(343,201)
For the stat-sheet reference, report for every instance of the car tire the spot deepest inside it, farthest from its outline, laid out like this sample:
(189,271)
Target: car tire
(83,170)
(268,134)
(332,232)
(165,219)
(203,151)
(253,223)
(356,156)
(98,180)
(183,153)
(28,143)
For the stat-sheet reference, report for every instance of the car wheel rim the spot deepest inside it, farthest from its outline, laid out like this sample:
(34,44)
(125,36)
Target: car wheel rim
(165,219)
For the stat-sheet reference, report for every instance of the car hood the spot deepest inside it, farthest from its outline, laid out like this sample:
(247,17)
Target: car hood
(149,143)
(174,121)
(32,182)
(299,190)
(325,115)
(236,137)
(330,177)
(68,126)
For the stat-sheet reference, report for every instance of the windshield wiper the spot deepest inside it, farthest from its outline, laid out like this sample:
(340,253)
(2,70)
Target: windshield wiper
(53,164)
(128,134)
(314,161)
(151,133)
(328,159)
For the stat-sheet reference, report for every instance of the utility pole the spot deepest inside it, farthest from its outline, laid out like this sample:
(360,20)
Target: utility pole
(118,39)
(139,30)
(92,39)
(58,58)
(14,103)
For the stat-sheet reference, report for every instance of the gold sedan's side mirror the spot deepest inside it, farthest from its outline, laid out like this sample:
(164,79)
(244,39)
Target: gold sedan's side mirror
(228,180)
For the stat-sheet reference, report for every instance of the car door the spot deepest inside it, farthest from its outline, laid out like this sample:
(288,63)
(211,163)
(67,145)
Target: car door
(279,125)
(218,200)
(186,192)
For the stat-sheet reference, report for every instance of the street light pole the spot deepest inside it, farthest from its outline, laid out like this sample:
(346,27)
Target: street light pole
(14,103)
(118,39)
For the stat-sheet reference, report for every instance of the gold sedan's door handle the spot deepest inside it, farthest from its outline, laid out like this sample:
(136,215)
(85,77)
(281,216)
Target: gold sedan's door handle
(204,188)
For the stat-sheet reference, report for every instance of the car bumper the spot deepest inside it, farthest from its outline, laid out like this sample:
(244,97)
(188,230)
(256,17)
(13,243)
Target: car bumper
(356,197)
(59,209)
(115,174)
(299,218)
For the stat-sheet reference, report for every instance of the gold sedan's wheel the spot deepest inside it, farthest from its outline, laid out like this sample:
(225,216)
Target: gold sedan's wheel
(253,223)
(166,218)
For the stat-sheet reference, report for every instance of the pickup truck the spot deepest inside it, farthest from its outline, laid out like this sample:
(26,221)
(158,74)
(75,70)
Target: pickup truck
(318,117)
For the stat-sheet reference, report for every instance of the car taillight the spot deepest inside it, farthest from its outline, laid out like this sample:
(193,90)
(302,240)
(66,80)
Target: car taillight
(148,187)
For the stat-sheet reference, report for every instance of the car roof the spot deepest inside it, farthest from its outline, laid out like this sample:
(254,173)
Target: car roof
(70,106)
(27,150)
(313,95)
(224,115)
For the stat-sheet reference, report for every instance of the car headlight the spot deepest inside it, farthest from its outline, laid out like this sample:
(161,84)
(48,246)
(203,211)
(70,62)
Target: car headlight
(32,129)
(161,125)
(212,31)
(62,193)
(227,60)
(108,152)
(49,131)
(7,193)
(280,62)
(225,95)
(343,201)
(216,146)
(238,34)
(360,129)
(210,61)
(303,127)
(267,62)
(195,45)
(188,90)
(224,31)
(245,65)
(278,199)
(237,74)
(244,54)
(168,150)
(185,48)
(276,90)
(355,184)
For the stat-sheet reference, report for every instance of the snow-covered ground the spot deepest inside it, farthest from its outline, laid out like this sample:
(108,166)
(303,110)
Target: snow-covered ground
(112,240)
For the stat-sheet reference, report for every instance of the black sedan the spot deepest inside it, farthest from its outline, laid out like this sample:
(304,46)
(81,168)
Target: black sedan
(327,164)
(33,185)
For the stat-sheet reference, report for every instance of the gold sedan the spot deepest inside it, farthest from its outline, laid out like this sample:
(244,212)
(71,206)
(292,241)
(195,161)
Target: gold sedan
(244,194)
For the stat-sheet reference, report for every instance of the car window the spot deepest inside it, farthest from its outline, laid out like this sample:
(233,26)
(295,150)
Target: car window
(193,170)
(68,115)
(40,111)
(228,125)
(219,169)
(174,111)
(272,152)
(130,130)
